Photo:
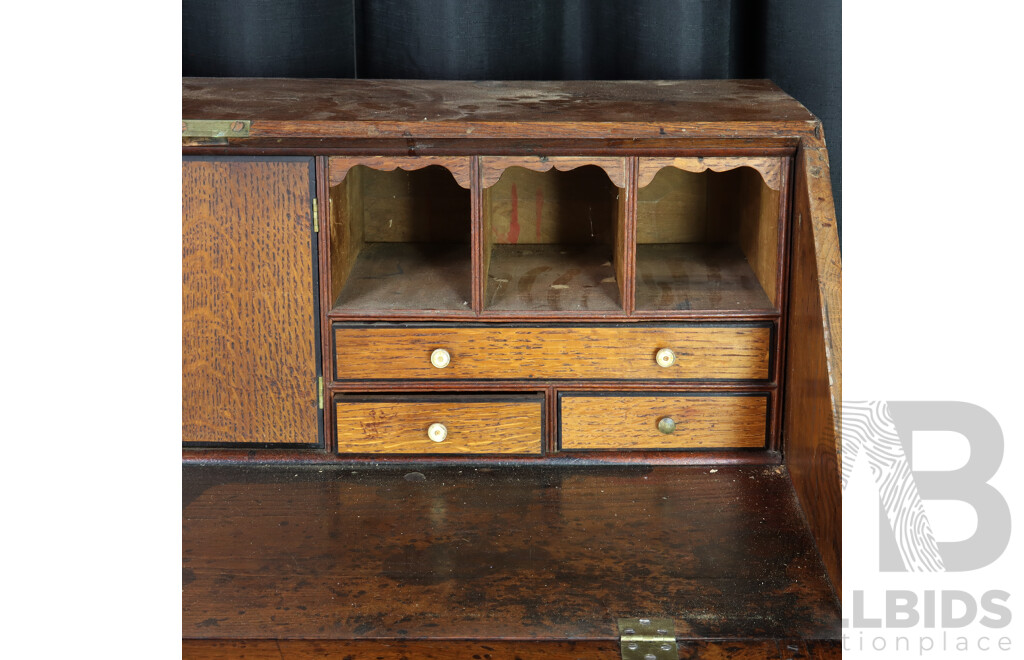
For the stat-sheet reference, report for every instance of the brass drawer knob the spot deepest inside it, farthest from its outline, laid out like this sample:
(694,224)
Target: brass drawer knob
(665,357)
(437,432)
(440,358)
(666,425)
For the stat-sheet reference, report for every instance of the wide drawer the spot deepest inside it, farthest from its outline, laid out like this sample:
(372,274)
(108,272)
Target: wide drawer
(456,424)
(698,352)
(669,421)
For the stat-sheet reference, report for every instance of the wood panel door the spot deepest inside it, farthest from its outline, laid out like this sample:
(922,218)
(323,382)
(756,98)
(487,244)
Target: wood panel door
(249,314)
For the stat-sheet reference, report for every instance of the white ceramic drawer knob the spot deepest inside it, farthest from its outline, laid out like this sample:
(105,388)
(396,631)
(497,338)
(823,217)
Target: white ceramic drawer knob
(440,358)
(666,425)
(665,357)
(437,432)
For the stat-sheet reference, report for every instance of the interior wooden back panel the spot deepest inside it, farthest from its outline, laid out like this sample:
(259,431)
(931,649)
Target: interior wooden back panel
(248,354)
(421,206)
(577,207)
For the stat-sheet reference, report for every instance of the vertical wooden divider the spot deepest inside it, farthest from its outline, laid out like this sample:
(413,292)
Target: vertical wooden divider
(479,243)
(781,301)
(323,196)
(628,285)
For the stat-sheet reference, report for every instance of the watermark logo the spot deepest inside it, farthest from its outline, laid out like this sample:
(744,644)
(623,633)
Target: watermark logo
(882,431)
(879,435)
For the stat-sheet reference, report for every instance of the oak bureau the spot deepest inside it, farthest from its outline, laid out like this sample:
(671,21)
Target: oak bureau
(418,275)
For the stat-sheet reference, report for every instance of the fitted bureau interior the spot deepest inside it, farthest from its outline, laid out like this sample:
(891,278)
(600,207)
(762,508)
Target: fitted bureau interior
(400,240)
(550,241)
(706,241)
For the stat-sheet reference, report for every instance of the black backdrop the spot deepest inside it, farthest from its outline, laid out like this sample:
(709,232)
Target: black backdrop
(796,43)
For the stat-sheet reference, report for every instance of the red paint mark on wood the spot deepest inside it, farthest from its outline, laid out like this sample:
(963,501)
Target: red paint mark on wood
(513,221)
(540,209)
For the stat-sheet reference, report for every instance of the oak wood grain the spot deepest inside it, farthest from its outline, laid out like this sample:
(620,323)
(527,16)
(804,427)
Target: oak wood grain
(248,322)
(813,385)
(462,553)
(474,425)
(457,165)
(539,352)
(631,422)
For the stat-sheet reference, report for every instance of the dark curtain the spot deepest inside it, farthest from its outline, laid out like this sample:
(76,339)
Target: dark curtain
(796,43)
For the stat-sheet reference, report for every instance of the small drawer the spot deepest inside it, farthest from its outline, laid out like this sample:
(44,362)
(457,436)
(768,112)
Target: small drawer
(433,424)
(738,351)
(622,421)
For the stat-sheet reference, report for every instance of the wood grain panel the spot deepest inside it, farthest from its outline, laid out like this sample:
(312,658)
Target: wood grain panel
(398,425)
(338,166)
(436,553)
(537,352)
(813,384)
(631,422)
(248,322)
(492,167)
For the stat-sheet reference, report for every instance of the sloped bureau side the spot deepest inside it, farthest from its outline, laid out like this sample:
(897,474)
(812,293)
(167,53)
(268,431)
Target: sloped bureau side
(814,373)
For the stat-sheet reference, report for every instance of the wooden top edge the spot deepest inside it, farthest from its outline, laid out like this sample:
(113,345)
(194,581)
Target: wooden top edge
(322,107)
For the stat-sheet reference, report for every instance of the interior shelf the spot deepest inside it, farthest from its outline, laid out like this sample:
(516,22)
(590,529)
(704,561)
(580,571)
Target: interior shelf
(697,276)
(551,278)
(400,241)
(707,241)
(554,241)
(408,276)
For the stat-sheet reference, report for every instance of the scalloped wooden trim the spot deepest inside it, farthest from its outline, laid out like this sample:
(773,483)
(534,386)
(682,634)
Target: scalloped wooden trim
(769,167)
(338,166)
(492,167)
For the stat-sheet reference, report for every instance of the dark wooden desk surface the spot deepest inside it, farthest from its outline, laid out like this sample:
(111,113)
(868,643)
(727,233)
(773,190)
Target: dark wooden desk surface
(446,553)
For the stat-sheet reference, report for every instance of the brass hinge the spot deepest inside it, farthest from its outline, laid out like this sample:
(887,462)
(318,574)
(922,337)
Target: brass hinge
(215,128)
(320,392)
(648,639)
(316,217)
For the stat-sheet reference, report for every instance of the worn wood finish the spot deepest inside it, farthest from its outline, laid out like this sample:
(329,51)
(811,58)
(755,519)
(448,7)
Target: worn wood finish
(696,276)
(493,167)
(346,231)
(475,425)
(552,278)
(302,649)
(539,352)
(770,168)
(400,240)
(463,553)
(631,422)
(248,320)
(338,166)
(577,207)
(760,228)
(813,385)
(408,276)
(380,109)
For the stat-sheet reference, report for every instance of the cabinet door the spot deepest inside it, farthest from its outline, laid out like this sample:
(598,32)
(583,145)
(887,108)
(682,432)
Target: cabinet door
(249,331)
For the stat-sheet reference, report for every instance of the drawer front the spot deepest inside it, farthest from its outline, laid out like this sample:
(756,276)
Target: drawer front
(698,421)
(703,352)
(439,425)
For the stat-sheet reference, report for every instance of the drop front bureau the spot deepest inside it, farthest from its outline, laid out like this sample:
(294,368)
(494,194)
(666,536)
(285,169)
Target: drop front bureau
(536,302)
